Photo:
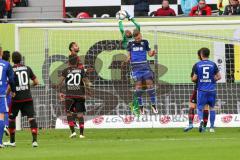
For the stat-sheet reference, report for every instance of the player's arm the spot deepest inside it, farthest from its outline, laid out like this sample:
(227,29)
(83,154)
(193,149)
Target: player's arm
(62,78)
(217,76)
(120,25)
(192,73)
(35,82)
(10,75)
(135,23)
(124,37)
(59,85)
(132,19)
(150,52)
(33,77)
(195,77)
(86,82)
(128,53)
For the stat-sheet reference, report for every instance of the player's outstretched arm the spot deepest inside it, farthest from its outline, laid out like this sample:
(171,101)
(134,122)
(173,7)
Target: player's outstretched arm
(135,23)
(121,28)
(132,19)
(217,76)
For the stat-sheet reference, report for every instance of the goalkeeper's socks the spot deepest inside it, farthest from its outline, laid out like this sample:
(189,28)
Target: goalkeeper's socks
(152,94)
(2,125)
(212,118)
(205,117)
(191,115)
(81,125)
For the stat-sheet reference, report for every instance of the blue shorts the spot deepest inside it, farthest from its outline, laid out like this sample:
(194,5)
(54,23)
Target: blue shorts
(142,75)
(206,98)
(3,105)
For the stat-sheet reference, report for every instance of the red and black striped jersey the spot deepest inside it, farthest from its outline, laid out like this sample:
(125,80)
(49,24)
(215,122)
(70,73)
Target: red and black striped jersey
(22,76)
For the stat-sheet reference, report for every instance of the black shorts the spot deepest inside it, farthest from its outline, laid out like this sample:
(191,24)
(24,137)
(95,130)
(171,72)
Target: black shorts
(193,98)
(26,109)
(75,105)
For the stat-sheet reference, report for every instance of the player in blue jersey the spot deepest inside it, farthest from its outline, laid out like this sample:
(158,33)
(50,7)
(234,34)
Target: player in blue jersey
(193,103)
(141,71)
(6,57)
(6,77)
(206,74)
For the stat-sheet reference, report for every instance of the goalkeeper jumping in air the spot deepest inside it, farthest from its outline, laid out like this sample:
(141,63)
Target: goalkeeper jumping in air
(127,34)
(141,71)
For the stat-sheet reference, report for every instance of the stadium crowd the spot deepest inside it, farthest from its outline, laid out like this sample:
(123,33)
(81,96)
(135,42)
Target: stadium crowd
(6,7)
(141,8)
(190,8)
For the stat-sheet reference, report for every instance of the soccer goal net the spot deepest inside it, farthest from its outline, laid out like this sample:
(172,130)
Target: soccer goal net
(45,50)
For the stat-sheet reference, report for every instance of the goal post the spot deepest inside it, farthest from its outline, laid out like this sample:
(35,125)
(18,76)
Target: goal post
(45,48)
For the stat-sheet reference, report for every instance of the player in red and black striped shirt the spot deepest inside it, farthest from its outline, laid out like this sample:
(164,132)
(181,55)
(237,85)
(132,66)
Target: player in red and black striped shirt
(75,83)
(23,100)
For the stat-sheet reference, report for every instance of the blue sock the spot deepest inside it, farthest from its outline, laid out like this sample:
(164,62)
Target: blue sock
(139,96)
(200,114)
(2,125)
(212,118)
(6,119)
(152,94)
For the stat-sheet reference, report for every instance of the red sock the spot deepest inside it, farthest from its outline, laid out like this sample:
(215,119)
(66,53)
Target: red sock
(205,117)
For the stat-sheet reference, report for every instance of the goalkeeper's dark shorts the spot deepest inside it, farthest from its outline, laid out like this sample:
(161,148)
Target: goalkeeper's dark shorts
(75,105)
(193,98)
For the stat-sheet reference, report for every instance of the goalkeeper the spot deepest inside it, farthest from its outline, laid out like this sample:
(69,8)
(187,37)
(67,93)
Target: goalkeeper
(127,34)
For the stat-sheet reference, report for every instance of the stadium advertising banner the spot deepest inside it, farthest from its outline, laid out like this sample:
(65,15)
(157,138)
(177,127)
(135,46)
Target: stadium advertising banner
(153,121)
(93,7)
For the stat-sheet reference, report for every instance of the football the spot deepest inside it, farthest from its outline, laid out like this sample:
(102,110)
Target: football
(121,15)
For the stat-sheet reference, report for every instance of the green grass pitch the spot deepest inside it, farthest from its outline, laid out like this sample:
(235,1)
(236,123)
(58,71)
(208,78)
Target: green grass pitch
(128,144)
